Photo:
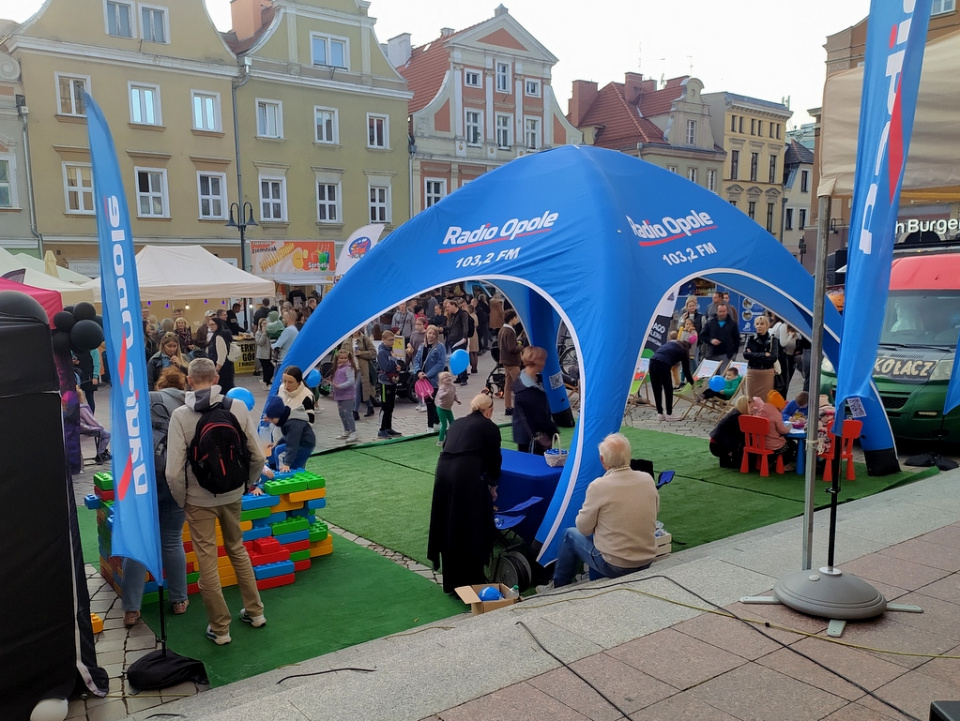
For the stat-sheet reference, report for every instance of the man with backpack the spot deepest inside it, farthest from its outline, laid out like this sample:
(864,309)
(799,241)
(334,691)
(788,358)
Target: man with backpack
(213,458)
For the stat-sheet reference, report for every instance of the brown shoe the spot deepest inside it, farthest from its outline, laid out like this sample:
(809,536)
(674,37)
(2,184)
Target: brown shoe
(180,607)
(130,618)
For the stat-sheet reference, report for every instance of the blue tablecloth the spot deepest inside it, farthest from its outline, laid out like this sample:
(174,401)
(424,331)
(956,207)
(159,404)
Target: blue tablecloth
(523,475)
(800,436)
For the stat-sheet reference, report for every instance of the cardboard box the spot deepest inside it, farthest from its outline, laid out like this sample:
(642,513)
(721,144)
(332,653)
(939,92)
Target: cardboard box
(469,595)
(664,545)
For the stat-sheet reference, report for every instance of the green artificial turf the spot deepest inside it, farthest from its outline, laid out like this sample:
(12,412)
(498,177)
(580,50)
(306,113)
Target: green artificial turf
(348,597)
(87,522)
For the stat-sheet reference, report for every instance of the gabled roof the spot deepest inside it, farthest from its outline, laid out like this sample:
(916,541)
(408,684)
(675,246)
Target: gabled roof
(797,154)
(620,122)
(660,102)
(425,70)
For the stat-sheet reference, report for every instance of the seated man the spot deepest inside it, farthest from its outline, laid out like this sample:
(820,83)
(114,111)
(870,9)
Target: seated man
(90,426)
(615,528)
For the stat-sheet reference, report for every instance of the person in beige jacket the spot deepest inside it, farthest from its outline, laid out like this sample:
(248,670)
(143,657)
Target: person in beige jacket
(616,527)
(203,509)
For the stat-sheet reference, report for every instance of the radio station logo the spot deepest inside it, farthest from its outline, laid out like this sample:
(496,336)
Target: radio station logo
(670,228)
(458,238)
(359,247)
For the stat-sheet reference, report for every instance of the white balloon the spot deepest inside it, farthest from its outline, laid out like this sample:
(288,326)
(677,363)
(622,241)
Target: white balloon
(50,709)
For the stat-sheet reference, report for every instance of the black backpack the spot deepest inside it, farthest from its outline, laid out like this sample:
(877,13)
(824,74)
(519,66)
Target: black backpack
(218,453)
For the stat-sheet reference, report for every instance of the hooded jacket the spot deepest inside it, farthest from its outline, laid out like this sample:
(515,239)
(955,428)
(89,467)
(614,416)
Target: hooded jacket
(297,433)
(183,426)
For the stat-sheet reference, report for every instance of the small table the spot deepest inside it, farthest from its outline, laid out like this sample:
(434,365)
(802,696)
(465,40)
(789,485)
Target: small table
(522,476)
(800,436)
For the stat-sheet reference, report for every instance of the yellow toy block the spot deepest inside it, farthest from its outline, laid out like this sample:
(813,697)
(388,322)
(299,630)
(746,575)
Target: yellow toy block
(322,548)
(228,579)
(96,622)
(308,495)
(246,525)
(186,532)
(191,557)
(286,504)
(224,562)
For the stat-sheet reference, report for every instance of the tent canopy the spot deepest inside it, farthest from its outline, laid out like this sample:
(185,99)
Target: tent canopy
(49,299)
(596,239)
(187,272)
(931,169)
(10,261)
(70,293)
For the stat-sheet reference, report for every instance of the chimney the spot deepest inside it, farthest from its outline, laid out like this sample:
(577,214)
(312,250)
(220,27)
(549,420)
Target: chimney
(584,93)
(398,49)
(634,86)
(501,10)
(245,16)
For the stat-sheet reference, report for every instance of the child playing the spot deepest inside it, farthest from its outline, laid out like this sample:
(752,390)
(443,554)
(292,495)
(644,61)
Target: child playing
(687,332)
(796,410)
(345,394)
(445,398)
(731,379)
(298,437)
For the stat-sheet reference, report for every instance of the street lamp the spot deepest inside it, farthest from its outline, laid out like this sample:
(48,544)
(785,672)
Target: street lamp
(247,210)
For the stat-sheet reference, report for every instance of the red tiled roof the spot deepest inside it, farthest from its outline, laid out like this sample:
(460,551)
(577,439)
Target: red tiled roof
(620,122)
(239,47)
(660,101)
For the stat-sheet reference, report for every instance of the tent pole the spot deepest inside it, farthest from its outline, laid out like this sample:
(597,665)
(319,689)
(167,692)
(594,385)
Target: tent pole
(816,353)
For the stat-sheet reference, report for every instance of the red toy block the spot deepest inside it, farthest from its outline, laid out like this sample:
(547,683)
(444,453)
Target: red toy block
(192,588)
(103,495)
(276,581)
(301,565)
(297,546)
(262,559)
(266,545)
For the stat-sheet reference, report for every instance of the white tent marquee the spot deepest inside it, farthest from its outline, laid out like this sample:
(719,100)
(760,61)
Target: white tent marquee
(187,272)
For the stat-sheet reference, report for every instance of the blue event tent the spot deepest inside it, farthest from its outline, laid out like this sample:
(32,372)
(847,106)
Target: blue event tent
(593,238)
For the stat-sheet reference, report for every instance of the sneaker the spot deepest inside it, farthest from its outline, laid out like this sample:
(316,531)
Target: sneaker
(422,409)
(343,436)
(180,607)
(393,433)
(440,443)
(673,418)
(508,412)
(106,455)
(130,618)
(545,587)
(351,438)
(99,459)
(661,417)
(384,434)
(219,640)
(255,621)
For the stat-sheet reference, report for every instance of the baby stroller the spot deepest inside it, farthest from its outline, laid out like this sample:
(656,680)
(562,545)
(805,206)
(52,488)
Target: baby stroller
(498,376)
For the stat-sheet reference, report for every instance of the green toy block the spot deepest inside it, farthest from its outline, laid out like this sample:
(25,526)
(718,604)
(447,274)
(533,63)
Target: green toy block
(300,555)
(290,525)
(316,481)
(103,480)
(286,485)
(254,513)
(318,531)
(152,597)
(193,577)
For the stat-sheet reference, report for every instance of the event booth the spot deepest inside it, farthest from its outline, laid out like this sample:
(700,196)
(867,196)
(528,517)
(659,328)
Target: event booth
(591,238)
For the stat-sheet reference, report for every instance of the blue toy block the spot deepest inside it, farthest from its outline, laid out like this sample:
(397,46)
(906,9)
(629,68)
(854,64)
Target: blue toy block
(293,537)
(257,532)
(261,523)
(277,517)
(150,587)
(317,503)
(91,501)
(281,568)
(249,501)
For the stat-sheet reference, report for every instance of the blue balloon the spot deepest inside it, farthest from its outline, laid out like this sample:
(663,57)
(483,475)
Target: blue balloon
(312,379)
(717,384)
(243,395)
(459,360)
(490,593)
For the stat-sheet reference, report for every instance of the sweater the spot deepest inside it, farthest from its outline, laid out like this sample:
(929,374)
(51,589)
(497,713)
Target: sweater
(446,396)
(344,383)
(620,511)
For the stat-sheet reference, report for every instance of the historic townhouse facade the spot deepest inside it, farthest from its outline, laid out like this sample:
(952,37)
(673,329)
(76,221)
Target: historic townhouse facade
(321,120)
(481,97)
(798,194)
(753,132)
(669,126)
(17,232)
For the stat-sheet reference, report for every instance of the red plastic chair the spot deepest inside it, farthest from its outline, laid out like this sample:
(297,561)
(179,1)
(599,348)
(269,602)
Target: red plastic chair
(850,433)
(755,429)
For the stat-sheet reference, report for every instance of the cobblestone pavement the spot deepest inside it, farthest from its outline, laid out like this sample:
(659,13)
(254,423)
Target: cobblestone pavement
(118,647)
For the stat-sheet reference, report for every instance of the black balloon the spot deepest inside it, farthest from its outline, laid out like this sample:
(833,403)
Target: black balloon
(69,309)
(99,319)
(84,311)
(86,335)
(15,303)
(61,343)
(64,321)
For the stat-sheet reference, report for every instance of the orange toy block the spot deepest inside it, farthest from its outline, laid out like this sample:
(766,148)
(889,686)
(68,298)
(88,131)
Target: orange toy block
(286,504)
(308,495)
(96,622)
(321,548)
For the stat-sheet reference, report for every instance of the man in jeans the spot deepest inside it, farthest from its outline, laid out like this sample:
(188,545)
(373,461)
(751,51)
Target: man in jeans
(389,373)
(203,509)
(509,357)
(616,527)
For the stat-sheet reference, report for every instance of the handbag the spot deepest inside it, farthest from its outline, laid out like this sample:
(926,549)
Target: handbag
(777,368)
(555,457)
(234,352)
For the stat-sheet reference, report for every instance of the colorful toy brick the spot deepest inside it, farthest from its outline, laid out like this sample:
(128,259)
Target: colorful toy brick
(318,531)
(91,501)
(321,548)
(249,515)
(285,485)
(249,501)
(301,565)
(270,570)
(289,526)
(294,536)
(308,495)
(96,622)
(276,581)
(103,480)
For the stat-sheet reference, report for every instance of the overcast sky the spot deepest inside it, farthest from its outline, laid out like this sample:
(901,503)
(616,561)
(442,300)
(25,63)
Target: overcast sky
(770,49)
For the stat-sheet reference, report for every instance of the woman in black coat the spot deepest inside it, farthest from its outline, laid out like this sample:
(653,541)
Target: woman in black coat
(661,379)
(532,419)
(219,339)
(461,517)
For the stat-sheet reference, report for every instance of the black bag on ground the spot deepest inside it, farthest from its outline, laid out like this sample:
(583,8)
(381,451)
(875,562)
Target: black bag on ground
(163,669)
(218,452)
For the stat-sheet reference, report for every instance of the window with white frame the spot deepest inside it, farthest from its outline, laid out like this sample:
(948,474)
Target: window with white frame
(273,198)
(474,127)
(672,168)
(8,181)
(504,130)
(751,209)
(212,194)
(788,219)
(942,6)
(328,202)
(379,203)
(802,218)
(144,104)
(328,124)
(503,77)
(120,16)
(531,87)
(78,187)
(329,50)
(712,180)
(531,133)
(70,90)
(153,24)
(269,118)
(378,131)
(692,175)
(804,181)
(435,190)
(151,192)
(691,132)
(206,111)
(472,78)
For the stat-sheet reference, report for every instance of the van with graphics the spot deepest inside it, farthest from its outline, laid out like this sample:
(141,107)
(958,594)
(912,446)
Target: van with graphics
(917,347)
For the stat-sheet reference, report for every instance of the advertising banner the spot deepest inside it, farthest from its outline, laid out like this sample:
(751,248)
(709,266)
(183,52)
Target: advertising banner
(357,246)
(289,258)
